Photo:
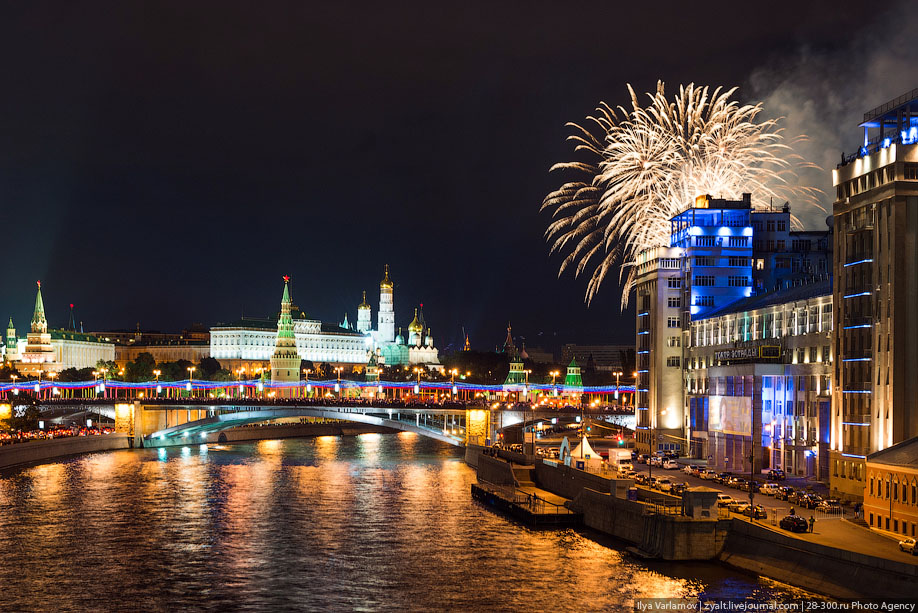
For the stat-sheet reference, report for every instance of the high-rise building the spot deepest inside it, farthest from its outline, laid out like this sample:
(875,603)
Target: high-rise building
(658,287)
(875,398)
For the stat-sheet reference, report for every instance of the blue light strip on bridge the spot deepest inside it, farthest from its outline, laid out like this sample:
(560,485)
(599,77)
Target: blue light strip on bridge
(858,262)
(28,386)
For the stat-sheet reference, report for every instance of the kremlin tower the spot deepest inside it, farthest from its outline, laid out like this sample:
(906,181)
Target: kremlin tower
(285,362)
(38,349)
(386,315)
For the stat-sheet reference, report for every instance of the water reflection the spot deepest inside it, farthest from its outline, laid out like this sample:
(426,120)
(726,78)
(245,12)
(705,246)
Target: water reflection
(372,522)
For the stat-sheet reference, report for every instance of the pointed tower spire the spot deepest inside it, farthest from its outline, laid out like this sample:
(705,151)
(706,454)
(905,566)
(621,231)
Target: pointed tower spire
(39,322)
(509,347)
(285,362)
(71,325)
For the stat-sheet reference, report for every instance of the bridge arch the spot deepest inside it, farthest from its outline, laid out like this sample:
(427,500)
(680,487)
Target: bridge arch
(420,421)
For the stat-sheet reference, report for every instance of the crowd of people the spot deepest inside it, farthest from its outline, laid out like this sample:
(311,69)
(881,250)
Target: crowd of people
(11,438)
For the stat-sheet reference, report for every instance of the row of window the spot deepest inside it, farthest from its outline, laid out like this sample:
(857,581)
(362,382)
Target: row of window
(770,225)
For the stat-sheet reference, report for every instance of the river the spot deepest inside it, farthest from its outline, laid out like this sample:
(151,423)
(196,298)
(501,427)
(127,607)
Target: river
(331,523)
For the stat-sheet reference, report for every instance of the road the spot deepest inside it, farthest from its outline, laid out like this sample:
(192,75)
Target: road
(831,530)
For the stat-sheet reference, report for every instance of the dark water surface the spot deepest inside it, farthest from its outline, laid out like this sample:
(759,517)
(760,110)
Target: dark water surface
(332,523)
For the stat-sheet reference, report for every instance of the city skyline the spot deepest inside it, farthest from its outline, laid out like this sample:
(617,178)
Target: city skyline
(235,173)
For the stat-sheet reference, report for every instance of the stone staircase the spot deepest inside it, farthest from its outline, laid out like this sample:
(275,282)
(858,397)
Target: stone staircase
(523,476)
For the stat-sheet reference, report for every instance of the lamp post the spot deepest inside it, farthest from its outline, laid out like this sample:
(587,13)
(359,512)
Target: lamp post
(191,370)
(617,374)
(54,390)
(653,434)
(338,384)
(306,372)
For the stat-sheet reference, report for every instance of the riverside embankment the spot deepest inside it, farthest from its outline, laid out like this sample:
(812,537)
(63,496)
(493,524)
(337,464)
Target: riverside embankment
(32,452)
(44,450)
(672,529)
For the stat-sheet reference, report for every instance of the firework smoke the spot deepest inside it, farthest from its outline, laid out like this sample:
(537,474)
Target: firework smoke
(647,164)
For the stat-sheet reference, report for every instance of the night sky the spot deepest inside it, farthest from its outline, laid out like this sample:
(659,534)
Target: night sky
(168,162)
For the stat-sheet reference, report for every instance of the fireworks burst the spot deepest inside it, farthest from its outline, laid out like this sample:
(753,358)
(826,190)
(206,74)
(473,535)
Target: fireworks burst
(649,163)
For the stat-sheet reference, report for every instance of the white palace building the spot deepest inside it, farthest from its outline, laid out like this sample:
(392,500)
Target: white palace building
(250,342)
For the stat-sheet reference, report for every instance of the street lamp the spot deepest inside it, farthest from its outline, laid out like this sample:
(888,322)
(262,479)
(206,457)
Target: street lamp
(338,370)
(617,374)
(653,432)
(54,390)
(191,370)
(306,372)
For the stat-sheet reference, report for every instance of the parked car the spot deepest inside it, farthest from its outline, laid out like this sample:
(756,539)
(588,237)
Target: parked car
(724,499)
(795,496)
(775,474)
(769,489)
(755,511)
(794,523)
(690,469)
(809,501)
(829,506)
(783,492)
(678,489)
(642,458)
(736,506)
(664,484)
(908,546)
(670,465)
(641,479)
(723,477)
(708,474)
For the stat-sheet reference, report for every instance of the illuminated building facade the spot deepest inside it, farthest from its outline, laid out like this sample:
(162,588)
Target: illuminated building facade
(250,342)
(875,401)
(715,259)
(53,350)
(758,382)
(891,492)
(658,408)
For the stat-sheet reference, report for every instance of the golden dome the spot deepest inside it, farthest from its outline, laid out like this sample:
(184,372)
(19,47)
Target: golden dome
(415,325)
(364,305)
(386,282)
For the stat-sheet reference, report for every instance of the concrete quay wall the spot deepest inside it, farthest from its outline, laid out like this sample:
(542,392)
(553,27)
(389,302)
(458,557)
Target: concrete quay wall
(828,570)
(41,451)
(495,470)
(568,482)
(668,537)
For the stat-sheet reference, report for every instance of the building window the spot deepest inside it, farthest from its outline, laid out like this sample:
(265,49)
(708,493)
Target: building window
(704,241)
(704,300)
(911,172)
(735,281)
(705,260)
(738,261)
(673,341)
(673,361)
(770,225)
(704,280)
(782,225)
(738,241)
(674,283)
(674,302)
(672,322)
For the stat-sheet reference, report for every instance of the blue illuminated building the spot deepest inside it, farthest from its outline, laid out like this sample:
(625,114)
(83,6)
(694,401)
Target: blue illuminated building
(716,238)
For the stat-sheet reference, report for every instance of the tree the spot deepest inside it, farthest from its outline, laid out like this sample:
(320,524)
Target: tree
(75,374)
(110,367)
(141,368)
(8,371)
(174,371)
(206,368)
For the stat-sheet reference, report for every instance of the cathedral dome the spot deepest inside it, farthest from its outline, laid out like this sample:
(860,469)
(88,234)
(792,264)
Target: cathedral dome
(415,325)
(364,304)
(386,282)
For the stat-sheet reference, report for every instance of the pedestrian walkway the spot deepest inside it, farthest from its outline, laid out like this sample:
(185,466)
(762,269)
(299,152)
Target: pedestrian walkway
(840,533)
